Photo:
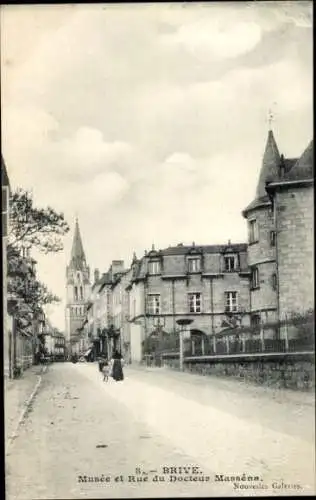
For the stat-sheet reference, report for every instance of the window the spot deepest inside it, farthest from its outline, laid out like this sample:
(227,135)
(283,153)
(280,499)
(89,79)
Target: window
(231,304)
(194,302)
(254,278)
(253,231)
(272,238)
(81,293)
(194,265)
(153,304)
(274,281)
(230,263)
(76,293)
(255,320)
(154,267)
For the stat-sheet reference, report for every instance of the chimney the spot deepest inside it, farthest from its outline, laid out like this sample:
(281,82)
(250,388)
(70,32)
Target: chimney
(282,167)
(117,266)
(229,242)
(96,275)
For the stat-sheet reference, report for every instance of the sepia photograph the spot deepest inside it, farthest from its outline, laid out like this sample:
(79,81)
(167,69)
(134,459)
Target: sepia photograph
(157,178)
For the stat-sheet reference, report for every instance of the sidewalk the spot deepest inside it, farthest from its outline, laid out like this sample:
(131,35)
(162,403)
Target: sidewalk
(16,395)
(230,384)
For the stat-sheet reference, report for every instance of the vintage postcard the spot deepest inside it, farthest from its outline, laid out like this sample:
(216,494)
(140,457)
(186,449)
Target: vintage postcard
(158,250)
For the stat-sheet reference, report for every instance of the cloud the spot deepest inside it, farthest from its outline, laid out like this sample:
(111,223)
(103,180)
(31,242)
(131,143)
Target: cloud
(216,39)
(86,154)
(151,122)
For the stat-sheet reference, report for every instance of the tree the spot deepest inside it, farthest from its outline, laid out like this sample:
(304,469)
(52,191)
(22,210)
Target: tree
(29,293)
(305,325)
(23,284)
(40,228)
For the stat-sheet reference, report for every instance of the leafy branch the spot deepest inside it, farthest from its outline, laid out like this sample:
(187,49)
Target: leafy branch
(30,226)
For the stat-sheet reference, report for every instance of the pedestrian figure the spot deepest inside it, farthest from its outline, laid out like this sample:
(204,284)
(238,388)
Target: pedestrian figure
(101,362)
(105,370)
(117,366)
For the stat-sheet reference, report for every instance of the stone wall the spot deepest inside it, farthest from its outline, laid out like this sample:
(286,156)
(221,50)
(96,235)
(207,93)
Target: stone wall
(296,373)
(295,245)
(263,255)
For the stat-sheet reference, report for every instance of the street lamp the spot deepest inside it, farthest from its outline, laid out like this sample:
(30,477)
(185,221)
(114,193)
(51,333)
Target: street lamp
(183,323)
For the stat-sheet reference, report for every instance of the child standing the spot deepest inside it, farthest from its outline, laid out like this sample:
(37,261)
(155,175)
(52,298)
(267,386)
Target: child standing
(105,370)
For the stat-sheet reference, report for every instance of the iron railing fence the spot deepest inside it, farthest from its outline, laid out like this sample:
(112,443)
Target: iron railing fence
(293,334)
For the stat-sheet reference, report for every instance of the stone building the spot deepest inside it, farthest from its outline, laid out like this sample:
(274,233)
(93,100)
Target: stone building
(77,288)
(219,287)
(280,241)
(121,311)
(291,195)
(7,320)
(208,284)
(261,241)
(104,314)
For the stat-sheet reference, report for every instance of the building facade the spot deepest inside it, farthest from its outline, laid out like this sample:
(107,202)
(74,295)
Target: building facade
(292,198)
(7,320)
(208,285)
(280,227)
(218,287)
(77,291)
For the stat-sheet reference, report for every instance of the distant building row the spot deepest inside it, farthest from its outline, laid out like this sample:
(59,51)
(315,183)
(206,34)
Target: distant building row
(217,286)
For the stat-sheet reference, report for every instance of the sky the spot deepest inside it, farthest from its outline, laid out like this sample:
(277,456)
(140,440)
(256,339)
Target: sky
(149,121)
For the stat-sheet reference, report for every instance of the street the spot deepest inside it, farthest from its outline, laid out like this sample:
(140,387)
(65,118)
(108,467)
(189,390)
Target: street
(85,438)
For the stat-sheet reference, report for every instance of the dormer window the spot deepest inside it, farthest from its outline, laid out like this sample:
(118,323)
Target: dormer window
(230,263)
(154,267)
(194,264)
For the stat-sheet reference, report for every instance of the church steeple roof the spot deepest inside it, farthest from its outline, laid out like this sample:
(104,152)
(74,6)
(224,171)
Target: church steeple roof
(77,253)
(270,165)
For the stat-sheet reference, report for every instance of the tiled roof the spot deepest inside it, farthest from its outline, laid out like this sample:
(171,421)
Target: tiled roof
(289,163)
(184,249)
(258,202)
(104,280)
(303,167)
(270,165)
(141,270)
(272,171)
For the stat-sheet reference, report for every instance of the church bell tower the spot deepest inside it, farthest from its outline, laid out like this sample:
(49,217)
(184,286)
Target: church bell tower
(77,286)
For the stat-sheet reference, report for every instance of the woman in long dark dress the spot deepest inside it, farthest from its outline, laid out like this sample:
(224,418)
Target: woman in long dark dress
(117,368)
